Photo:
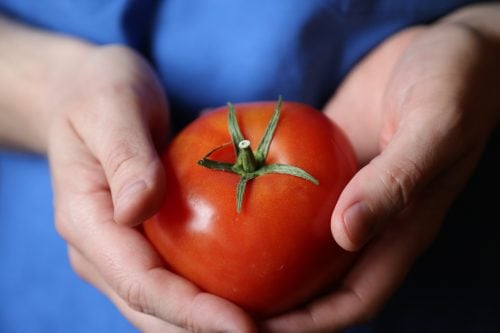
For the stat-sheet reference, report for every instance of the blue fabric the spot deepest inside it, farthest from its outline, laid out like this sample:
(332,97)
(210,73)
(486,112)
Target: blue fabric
(206,53)
(210,52)
(38,290)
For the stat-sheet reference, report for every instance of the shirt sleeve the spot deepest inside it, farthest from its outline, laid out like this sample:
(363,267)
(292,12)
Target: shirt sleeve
(100,21)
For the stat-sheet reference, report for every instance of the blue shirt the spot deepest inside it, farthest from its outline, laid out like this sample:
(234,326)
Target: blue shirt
(205,53)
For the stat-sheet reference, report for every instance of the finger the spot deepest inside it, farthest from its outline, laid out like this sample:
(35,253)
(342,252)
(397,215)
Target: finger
(144,322)
(132,269)
(417,152)
(121,255)
(374,278)
(389,182)
(383,264)
(151,289)
(125,113)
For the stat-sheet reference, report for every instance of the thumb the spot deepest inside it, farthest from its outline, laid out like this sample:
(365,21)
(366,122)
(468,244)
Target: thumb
(381,189)
(136,181)
(121,140)
(133,169)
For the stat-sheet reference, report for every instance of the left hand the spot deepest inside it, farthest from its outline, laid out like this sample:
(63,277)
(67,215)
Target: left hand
(419,111)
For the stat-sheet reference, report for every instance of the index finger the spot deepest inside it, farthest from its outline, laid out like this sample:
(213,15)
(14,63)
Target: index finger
(121,255)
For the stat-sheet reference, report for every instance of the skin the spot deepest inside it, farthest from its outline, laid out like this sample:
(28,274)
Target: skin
(429,105)
(99,113)
(430,92)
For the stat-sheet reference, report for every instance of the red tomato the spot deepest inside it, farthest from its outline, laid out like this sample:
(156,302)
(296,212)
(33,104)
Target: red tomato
(278,251)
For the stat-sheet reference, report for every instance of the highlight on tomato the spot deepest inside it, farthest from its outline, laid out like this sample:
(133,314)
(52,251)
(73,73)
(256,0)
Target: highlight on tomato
(250,193)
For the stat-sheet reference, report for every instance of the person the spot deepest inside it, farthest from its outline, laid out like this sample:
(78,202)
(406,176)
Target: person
(97,88)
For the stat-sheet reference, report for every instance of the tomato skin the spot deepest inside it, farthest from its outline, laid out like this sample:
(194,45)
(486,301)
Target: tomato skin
(278,251)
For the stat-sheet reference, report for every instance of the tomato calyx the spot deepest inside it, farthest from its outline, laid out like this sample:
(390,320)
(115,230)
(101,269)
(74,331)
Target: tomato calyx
(250,165)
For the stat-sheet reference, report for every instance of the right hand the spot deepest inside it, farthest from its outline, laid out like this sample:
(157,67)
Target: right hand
(109,121)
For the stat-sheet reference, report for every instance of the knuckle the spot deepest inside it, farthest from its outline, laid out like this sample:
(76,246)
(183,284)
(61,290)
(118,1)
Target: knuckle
(77,263)
(400,182)
(64,224)
(183,317)
(61,224)
(188,324)
(186,316)
(368,309)
(118,161)
(133,293)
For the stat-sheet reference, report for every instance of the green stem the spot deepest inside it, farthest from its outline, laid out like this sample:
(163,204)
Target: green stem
(249,165)
(246,159)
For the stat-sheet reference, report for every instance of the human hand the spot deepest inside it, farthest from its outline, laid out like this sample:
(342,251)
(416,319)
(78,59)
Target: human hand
(110,122)
(418,111)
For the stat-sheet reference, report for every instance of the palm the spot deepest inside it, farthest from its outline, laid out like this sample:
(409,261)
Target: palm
(404,118)
(107,178)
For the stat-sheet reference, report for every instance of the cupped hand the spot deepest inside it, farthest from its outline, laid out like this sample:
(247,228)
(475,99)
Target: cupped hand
(110,120)
(418,110)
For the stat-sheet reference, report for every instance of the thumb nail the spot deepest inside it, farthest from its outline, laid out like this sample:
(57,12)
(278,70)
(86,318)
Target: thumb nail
(359,223)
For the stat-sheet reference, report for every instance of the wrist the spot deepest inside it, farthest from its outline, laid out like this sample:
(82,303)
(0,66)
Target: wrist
(34,67)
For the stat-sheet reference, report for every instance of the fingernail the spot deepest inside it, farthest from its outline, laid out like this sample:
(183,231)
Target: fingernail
(359,224)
